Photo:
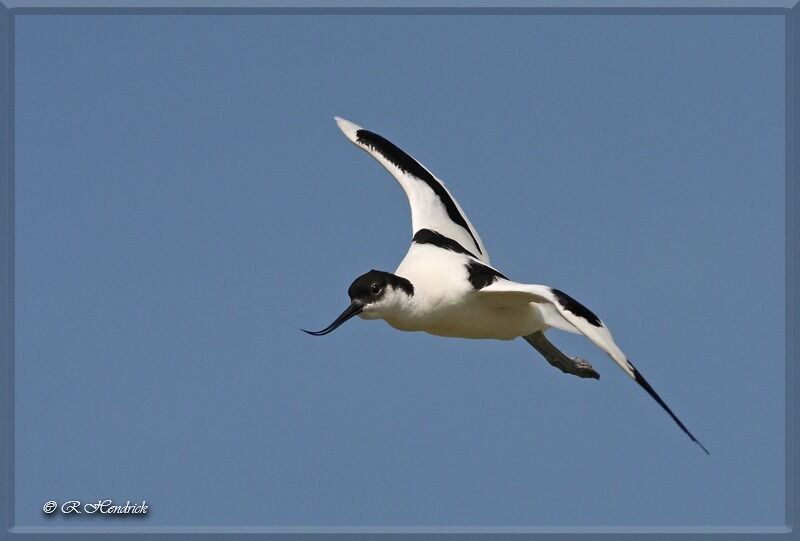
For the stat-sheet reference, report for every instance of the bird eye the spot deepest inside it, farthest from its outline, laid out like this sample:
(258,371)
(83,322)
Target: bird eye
(375,289)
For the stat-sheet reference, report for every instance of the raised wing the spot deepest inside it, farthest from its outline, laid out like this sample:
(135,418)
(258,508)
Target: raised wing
(432,206)
(508,293)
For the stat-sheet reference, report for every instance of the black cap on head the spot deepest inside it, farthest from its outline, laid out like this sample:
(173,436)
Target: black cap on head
(371,286)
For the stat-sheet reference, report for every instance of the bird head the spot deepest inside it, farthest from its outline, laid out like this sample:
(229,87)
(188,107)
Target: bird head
(373,295)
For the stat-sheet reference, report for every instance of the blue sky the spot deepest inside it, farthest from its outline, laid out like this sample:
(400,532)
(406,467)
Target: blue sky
(185,203)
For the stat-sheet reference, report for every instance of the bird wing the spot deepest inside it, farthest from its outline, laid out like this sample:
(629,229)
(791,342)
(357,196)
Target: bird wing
(508,293)
(432,206)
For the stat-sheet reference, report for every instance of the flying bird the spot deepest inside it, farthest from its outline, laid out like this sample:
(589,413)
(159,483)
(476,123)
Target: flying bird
(446,285)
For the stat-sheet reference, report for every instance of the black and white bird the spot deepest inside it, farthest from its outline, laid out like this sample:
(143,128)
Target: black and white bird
(446,286)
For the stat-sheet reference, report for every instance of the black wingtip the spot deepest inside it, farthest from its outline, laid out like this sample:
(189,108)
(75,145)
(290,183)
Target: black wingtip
(647,387)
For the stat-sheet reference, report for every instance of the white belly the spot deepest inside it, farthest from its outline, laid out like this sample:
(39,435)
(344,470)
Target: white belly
(473,320)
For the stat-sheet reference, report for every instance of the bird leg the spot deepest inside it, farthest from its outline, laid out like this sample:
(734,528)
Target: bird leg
(569,365)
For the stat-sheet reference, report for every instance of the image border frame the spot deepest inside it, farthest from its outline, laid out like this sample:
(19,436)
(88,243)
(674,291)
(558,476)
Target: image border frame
(9,9)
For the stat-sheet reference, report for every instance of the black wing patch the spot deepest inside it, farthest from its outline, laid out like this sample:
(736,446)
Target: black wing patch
(571,305)
(406,163)
(481,276)
(646,386)
(428,236)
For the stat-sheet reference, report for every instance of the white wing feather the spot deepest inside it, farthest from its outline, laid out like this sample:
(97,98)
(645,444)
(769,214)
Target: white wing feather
(515,293)
(432,205)
(553,318)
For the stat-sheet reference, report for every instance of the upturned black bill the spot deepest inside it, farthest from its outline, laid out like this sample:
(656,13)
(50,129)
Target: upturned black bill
(354,309)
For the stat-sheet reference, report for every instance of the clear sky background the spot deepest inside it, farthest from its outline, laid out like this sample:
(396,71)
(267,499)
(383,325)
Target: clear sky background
(185,203)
